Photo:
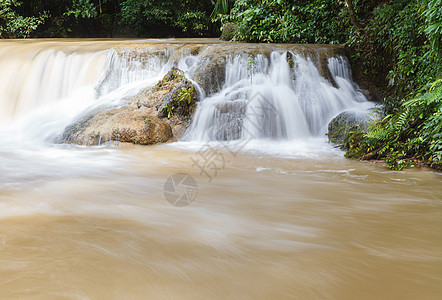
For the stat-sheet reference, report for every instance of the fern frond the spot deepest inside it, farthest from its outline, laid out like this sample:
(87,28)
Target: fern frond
(435,83)
(401,120)
(378,133)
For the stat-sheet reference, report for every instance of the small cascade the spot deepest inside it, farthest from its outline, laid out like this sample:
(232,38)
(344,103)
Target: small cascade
(35,78)
(338,67)
(281,98)
(44,89)
(128,68)
(341,72)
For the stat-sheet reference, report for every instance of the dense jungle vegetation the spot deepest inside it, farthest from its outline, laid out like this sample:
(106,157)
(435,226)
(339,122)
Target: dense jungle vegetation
(395,48)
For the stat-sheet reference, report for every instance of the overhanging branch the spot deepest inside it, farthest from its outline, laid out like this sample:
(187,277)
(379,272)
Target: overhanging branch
(353,19)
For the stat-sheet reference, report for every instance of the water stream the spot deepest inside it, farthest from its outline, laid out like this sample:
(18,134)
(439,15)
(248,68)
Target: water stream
(282,215)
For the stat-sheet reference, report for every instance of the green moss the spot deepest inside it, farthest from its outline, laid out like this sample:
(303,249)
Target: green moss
(228,32)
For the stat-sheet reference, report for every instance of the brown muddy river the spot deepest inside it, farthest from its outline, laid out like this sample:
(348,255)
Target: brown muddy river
(264,228)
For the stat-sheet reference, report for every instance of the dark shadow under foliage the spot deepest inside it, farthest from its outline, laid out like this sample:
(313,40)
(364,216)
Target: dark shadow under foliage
(106,18)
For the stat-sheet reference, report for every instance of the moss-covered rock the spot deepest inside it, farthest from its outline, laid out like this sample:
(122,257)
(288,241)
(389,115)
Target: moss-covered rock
(346,121)
(228,32)
(172,99)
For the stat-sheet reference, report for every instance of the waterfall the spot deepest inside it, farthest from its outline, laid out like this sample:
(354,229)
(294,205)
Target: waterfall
(284,97)
(280,95)
(126,68)
(44,88)
(32,79)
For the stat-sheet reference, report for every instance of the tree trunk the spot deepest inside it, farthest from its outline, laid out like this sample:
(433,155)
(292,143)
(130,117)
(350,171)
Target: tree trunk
(353,19)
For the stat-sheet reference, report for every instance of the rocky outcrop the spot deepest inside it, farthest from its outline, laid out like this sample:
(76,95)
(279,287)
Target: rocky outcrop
(155,115)
(172,99)
(346,121)
(211,74)
(128,124)
(156,112)
(228,32)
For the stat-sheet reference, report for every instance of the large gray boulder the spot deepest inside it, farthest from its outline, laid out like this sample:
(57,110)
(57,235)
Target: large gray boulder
(348,120)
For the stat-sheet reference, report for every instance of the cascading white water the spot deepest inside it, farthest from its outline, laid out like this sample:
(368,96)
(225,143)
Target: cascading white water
(33,79)
(42,90)
(269,99)
(127,69)
(262,98)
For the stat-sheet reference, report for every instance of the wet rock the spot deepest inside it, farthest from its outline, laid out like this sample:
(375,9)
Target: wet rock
(229,120)
(155,115)
(174,95)
(211,74)
(228,32)
(174,99)
(346,121)
(128,124)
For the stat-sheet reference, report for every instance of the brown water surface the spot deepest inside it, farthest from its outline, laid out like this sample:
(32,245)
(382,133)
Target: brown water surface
(265,227)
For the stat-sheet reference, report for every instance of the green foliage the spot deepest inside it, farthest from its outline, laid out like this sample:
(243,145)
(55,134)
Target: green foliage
(180,104)
(398,29)
(400,44)
(82,9)
(182,95)
(100,18)
(286,21)
(185,95)
(14,25)
(72,18)
(394,49)
(355,143)
(190,17)
(429,108)
(414,133)
(167,109)
(432,12)
(172,75)
(221,7)
(228,31)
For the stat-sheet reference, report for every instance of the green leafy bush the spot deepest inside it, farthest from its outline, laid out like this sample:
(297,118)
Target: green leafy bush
(398,28)
(152,17)
(14,25)
(414,133)
(286,21)
(404,38)
(432,12)
(82,9)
